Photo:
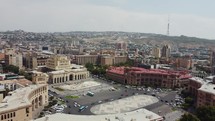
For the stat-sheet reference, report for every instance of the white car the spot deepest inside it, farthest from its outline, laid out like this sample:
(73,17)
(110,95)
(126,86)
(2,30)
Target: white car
(100,101)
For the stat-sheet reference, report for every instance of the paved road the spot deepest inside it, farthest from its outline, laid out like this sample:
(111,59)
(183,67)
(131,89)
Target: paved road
(105,95)
(173,116)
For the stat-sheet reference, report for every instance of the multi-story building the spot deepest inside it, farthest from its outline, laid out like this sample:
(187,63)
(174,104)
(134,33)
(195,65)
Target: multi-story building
(64,71)
(100,59)
(35,60)
(13,57)
(165,52)
(39,77)
(121,46)
(213,62)
(150,77)
(15,84)
(107,60)
(194,84)
(203,90)
(184,62)
(25,103)
(156,52)
(58,62)
(84,59)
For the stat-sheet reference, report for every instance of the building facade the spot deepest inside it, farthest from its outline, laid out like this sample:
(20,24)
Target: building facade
(84,59)
(166,51)
(64,71)
(156,52)
(58,62)
(149,77)
(24,103)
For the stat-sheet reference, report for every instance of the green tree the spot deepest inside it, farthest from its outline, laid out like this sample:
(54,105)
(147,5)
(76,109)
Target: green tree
(188,117)
(189,100)
(206,113)
(11,68)
(89,66)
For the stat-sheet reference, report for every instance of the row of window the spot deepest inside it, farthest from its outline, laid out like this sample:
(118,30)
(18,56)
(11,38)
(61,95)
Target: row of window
(7,116)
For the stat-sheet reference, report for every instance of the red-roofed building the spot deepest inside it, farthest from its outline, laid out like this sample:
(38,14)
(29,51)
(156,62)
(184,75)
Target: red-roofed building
(149,77)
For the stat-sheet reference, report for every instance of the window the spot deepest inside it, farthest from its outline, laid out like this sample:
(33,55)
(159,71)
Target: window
(2,117)
(14,114)
(27,110)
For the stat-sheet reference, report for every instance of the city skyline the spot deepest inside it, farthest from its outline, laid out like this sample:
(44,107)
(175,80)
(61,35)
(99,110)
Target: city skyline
(186,17)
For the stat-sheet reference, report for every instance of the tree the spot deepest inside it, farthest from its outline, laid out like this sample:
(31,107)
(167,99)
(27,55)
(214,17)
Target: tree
(89,66)
(188,117)
(206,113)
(189,100)
(11,68)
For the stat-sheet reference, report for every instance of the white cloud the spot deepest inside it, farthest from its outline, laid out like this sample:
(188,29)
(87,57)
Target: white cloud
(77,15)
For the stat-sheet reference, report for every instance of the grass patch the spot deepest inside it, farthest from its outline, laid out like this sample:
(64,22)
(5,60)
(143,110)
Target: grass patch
(71,97)
(59,89)
(174,109)
(61,102)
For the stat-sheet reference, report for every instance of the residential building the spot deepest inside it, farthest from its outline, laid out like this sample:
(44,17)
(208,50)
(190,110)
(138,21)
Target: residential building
(35,60)
(156,52)
(13,57)
(165,52)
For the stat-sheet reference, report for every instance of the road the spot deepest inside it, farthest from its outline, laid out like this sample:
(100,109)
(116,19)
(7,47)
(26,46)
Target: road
(105,95)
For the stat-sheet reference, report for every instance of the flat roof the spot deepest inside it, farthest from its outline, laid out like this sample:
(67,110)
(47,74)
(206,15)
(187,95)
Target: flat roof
(197,79)
(18,98)
(209,88)
(138,115)
(22,82)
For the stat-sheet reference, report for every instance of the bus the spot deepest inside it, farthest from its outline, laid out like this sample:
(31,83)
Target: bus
(81,108)
(90,93)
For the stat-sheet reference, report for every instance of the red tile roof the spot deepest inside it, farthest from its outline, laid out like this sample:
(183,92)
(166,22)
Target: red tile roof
(121,70)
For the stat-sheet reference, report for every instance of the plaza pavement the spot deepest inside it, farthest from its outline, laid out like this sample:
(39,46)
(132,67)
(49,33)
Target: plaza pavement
(124,105)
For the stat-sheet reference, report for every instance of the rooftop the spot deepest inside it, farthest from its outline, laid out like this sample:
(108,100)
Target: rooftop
(120,70)
(18,98)
(197,79)
(209,88)
(138,115)
(23,82)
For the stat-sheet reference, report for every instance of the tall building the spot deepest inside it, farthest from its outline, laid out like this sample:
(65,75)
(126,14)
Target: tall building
(121,46)
(156,52)
(213,62)
(166,51)
(13,58)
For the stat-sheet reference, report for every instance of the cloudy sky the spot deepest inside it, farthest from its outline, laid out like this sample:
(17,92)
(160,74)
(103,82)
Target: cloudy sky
(187,17)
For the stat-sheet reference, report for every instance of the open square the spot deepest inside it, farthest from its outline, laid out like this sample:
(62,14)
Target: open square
(124,105)
(80,85)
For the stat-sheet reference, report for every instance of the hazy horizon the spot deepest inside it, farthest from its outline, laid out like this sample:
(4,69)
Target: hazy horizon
(193,18)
